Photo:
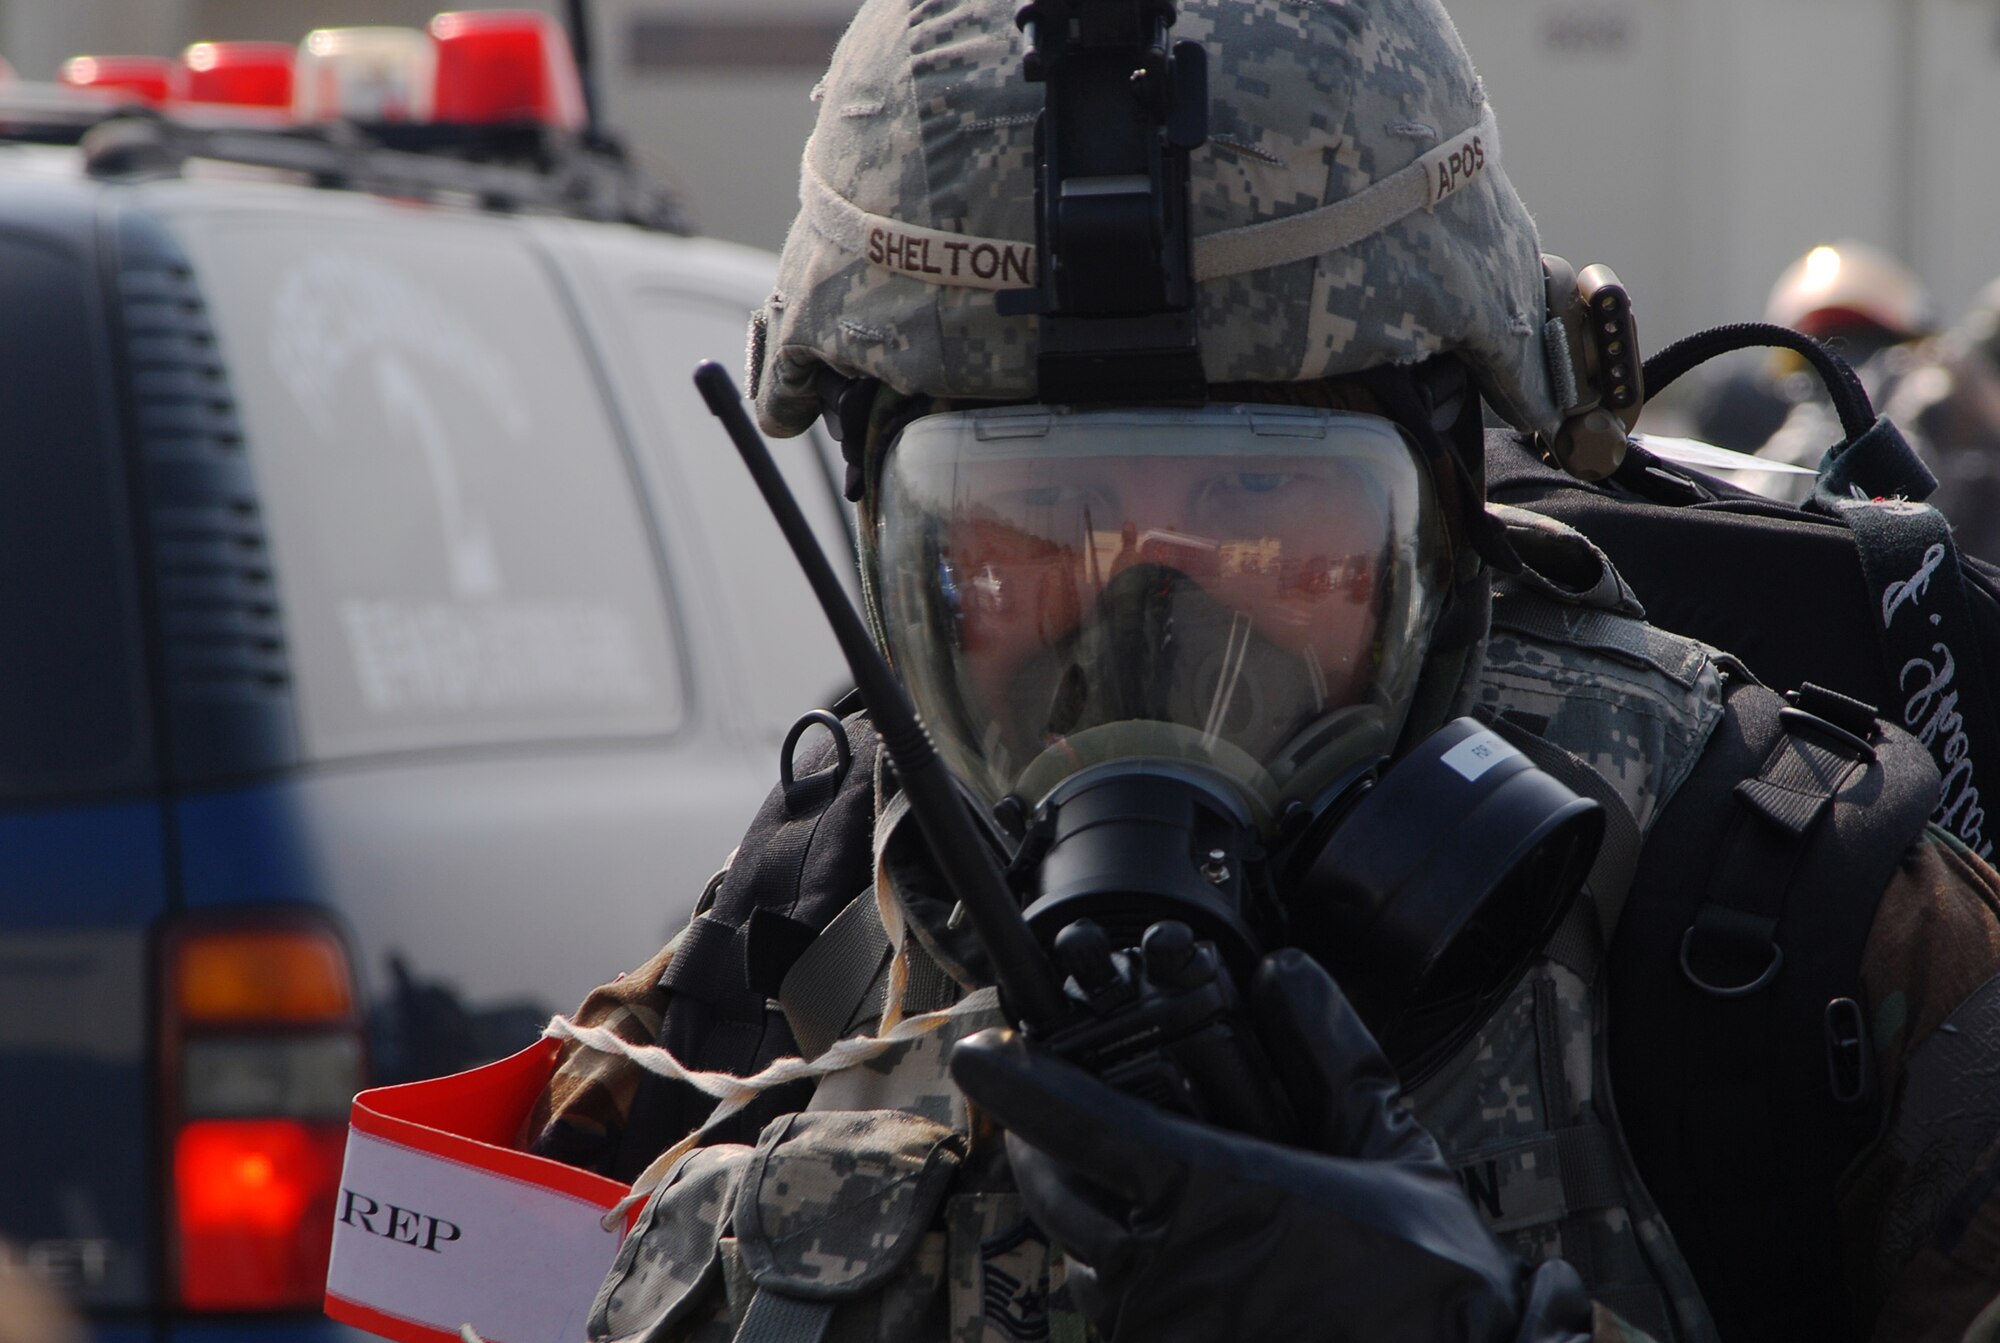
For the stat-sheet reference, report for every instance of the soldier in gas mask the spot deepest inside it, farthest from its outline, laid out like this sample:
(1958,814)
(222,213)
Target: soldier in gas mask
(1272,590)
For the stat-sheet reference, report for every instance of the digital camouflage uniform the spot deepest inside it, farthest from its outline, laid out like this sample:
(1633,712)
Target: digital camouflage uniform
(1920,1207)
(1349,210)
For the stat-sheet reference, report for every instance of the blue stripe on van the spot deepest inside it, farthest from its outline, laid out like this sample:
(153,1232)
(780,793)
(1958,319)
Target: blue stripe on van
(246,846)
(81,867)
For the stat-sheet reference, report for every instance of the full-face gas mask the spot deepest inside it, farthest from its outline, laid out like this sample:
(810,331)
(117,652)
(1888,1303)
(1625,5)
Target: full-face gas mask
(1173,649)
(1244,590)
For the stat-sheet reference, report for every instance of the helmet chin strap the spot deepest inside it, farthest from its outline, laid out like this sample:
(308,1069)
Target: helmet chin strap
(1435,401)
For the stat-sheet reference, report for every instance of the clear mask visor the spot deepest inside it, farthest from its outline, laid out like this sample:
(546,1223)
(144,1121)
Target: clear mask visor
(1247,588)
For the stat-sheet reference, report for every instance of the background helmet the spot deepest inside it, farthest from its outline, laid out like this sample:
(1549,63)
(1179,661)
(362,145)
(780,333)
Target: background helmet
(1977,333)
(1349,209)
(1846,288)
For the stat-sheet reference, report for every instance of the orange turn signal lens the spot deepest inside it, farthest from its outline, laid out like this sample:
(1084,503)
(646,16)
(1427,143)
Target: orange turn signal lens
(263,974)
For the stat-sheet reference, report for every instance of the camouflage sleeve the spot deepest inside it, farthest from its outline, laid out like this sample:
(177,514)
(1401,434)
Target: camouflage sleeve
(1920,1207)
(581,1114)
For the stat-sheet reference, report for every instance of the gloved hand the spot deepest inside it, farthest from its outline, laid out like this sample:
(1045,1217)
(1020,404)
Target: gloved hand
(1177,1230)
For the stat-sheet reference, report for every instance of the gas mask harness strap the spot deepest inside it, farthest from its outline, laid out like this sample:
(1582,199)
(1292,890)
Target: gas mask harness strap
(1411,395)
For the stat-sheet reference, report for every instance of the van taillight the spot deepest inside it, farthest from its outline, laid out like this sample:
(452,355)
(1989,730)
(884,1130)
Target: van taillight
(263,1053)
(255,1203)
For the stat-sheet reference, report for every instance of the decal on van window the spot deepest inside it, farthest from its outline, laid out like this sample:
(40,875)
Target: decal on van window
(441,655)
(333,309)
(333,312)
(453,525)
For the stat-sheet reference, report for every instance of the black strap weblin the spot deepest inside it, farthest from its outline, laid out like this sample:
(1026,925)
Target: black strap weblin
(1874,482)
(1930,651)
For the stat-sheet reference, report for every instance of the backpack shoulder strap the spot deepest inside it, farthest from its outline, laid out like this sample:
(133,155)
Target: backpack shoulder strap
(1921,593)
(1738,1051)
(806,854)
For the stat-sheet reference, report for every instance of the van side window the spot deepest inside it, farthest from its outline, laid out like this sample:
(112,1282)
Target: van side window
(792,661)
(456,540)
(73,718)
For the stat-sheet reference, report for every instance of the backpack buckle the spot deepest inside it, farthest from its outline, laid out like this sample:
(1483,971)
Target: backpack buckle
(1850,1057)
(1839,716)
(1731,946)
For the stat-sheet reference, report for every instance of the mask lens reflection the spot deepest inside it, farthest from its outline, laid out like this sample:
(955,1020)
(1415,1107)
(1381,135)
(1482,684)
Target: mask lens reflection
(1178,569)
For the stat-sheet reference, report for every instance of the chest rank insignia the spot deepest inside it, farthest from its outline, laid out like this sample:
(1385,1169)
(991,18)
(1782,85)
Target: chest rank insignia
(1014,1282)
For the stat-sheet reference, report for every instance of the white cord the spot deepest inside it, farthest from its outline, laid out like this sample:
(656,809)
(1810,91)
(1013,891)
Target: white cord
(732,1092)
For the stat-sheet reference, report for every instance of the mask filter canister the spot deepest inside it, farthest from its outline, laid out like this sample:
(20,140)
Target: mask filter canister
(1433,892)
(1126,847)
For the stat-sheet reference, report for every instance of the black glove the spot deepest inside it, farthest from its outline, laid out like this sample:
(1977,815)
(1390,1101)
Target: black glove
(1177,1230)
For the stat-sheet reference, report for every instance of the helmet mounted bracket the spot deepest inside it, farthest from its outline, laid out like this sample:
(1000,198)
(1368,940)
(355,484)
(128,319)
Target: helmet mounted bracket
(1115,291)
(1593,350)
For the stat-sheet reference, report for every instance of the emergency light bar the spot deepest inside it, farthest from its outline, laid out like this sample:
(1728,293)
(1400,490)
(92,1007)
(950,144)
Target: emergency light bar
(474,67)
(506,66)
(148,78)
(469,68)
(245,74)
(364,74)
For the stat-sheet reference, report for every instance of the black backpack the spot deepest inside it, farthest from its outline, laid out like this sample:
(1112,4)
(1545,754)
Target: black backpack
(807,854)
(1860,590)
(1734,972)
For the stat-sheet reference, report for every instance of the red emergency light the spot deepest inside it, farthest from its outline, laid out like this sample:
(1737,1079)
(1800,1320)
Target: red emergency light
(145,77)
(248,74)
(505,65)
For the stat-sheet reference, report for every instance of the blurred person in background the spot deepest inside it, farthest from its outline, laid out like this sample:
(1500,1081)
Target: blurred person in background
(1870,308)
(1948,406)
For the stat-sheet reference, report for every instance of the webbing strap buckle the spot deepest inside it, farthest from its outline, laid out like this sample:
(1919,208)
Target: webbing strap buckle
(1727,940)
(1850,1057)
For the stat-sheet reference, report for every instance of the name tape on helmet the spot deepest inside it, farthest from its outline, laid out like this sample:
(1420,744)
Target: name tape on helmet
(951,258)
(934,256)
(940,257)
(1454,165)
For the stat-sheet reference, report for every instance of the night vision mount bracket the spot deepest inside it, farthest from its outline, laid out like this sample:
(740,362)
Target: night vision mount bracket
(1593,350)
(1116,294)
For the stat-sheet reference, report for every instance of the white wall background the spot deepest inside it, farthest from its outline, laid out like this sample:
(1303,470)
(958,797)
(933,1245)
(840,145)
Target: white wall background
(1697,146)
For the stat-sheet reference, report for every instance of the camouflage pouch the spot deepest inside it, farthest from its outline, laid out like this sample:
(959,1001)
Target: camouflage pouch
(831,1210)
(837,1210)
(665,1271)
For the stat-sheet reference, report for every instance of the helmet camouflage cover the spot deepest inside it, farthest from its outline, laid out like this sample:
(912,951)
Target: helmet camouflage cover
(1349,208)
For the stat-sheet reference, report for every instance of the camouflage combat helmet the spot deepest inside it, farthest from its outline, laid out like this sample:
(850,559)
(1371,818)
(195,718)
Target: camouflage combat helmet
(1349,208)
